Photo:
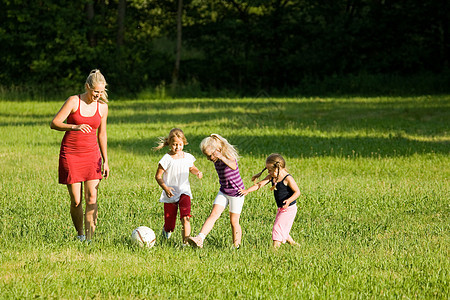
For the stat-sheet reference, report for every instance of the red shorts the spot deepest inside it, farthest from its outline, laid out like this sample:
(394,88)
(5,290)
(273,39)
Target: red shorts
(170,212)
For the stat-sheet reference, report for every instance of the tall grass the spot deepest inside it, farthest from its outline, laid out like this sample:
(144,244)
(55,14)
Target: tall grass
(373,217)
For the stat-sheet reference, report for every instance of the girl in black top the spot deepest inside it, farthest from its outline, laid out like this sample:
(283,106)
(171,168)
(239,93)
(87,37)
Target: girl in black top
(286,192)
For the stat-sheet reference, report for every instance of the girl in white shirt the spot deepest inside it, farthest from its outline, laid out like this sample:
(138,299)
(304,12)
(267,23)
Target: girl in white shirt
(173,177)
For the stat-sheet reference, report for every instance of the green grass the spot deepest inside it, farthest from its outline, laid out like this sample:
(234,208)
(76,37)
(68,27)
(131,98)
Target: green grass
(373,217)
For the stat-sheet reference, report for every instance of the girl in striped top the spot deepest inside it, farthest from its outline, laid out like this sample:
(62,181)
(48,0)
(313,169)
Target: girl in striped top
(224,156)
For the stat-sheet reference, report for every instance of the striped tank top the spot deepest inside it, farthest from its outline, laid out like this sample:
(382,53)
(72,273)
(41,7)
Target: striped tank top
(230,180)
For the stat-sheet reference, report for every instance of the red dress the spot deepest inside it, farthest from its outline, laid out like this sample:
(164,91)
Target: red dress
(79,157)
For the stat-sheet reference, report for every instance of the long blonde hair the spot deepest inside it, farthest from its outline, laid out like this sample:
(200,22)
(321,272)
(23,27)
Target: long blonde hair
(217,142)
(96,77)
(277,161)
(174,133)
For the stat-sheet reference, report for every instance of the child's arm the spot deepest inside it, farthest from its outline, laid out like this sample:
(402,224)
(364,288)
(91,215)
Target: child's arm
(229,162)
(159,172)
(196,171)
(256,186)
(293,185)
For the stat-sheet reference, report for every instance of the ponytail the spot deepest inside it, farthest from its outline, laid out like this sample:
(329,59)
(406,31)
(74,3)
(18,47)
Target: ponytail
(277,165)
(256,176)
(163,142)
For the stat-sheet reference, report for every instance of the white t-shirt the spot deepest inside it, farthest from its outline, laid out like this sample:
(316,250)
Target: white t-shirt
(176,175)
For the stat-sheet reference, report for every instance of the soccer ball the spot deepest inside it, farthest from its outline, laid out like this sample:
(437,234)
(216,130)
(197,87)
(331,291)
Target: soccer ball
(143,237)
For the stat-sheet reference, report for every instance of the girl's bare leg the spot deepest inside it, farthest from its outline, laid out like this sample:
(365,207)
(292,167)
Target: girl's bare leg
(197,241)
(90,218)
(76,207)
(211,220)
(186,228)
(291,241)
(276,244)
(236,228)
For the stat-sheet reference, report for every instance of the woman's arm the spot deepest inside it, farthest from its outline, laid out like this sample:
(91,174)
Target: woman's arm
(103,138)
(70,106)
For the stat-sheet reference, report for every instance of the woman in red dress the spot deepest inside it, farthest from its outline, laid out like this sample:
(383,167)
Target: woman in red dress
(82,150)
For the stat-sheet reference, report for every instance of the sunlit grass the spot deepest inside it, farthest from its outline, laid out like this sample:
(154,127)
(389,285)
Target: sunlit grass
(372,221)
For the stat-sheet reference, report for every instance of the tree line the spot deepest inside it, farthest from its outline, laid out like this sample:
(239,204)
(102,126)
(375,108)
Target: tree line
(236,45)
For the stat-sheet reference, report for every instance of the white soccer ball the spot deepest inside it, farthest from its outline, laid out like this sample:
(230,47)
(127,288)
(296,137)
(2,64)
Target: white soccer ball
(143,237)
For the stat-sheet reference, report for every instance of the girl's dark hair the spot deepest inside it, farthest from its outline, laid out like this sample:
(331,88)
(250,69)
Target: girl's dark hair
(277,161)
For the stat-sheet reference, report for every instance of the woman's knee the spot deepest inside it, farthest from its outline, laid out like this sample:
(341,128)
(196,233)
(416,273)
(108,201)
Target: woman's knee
(75,194)
(91,188)
(75,201)
(91,198)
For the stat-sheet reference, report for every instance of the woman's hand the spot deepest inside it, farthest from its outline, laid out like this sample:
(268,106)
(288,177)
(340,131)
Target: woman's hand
(85,128)
(105,170)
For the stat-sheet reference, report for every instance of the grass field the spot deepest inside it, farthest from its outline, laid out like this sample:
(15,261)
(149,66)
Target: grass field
(373,219)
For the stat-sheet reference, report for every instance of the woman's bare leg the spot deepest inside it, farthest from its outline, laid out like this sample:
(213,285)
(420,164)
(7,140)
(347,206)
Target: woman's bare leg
(76,207)
(90,218)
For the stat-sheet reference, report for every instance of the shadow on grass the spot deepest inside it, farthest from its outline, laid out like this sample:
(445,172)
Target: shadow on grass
(410,115)
(19,119)
(247,119)
(305,147)
(397,118)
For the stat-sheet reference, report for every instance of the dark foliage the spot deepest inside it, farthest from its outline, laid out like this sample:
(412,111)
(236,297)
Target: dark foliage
(240,46)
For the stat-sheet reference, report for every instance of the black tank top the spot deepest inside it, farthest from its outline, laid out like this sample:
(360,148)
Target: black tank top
(282,192)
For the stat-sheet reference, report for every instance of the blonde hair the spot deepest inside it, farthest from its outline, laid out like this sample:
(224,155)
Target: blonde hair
(174,133)
(96,77)
(277,161)
(217,142)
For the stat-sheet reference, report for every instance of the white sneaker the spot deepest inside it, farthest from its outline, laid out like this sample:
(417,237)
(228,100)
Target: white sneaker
(81,238)
(166,234)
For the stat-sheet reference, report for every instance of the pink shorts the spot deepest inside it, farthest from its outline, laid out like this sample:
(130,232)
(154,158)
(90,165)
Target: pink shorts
(283,223)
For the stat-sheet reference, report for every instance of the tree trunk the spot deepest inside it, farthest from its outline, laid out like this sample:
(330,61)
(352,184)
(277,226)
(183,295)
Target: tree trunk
(121,22)
(176,70)
(90,17)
